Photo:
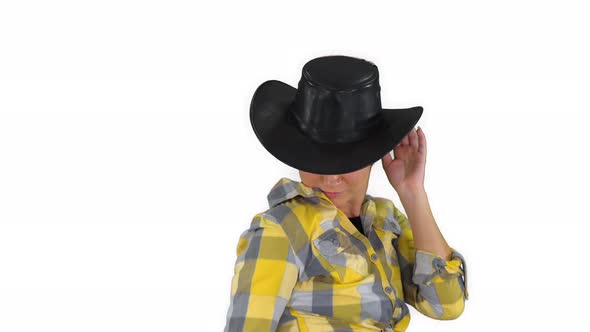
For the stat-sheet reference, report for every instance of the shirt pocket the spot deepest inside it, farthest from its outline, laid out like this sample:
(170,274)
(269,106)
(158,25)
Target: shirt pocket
(340,256)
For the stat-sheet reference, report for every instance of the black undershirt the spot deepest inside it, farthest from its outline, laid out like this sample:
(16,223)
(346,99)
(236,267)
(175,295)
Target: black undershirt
(356,221)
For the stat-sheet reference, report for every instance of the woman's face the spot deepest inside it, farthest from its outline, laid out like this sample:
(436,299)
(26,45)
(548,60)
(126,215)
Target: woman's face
(346,191)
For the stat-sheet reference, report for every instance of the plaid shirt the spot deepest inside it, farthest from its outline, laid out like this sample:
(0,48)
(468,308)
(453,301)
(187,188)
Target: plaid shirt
(303,266)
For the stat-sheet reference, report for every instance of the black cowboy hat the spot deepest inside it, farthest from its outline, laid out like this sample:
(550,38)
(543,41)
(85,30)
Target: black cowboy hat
(333,123)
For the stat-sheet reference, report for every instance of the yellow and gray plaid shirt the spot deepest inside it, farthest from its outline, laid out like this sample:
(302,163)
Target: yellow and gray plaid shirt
(303,266)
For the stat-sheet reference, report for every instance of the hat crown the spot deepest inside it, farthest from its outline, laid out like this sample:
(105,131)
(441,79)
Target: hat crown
(338,99)
(339,72)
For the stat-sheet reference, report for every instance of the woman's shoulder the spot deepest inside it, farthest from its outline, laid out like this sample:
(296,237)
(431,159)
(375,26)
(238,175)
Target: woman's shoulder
(298,213)
(382,202)
(387,215)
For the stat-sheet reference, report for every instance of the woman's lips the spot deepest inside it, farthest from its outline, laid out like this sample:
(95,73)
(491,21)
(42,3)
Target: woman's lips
(331,194)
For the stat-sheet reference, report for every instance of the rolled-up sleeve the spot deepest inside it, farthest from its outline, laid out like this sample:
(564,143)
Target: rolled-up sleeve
(442,284)
(434,286)
(264,276)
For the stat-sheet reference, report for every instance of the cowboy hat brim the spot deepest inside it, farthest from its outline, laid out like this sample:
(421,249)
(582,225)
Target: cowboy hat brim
(275,129)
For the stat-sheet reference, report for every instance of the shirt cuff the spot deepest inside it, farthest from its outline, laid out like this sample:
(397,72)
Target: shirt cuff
(428,266)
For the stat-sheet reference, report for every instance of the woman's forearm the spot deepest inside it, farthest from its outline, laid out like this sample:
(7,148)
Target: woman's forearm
(427,236)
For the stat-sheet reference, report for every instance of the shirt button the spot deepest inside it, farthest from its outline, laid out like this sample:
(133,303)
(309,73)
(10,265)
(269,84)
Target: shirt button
(388,289)
(374,257)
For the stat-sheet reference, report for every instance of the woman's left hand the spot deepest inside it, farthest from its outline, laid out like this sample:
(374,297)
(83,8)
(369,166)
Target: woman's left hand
(406,171)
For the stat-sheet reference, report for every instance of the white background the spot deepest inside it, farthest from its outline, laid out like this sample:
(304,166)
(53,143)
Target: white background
(128,167)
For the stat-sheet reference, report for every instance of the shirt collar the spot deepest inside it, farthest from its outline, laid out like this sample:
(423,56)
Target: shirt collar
(286,189)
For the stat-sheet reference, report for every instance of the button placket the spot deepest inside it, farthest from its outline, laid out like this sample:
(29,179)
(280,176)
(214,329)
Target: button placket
(373,256)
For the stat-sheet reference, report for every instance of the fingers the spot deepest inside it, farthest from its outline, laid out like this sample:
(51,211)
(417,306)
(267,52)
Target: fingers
(405,140)
(413,137)
(387,158)
(421,140)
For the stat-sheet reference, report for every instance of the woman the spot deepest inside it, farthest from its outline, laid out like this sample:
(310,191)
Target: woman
(326,256)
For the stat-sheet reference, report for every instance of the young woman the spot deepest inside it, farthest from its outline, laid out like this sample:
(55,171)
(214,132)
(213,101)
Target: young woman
(326,256)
